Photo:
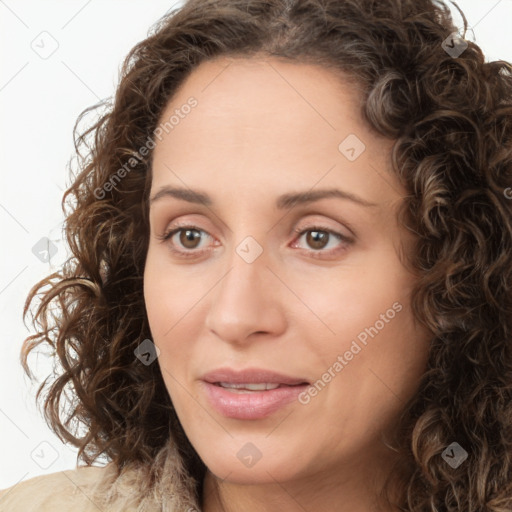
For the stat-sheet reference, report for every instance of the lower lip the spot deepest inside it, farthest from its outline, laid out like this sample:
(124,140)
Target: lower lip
(253,405)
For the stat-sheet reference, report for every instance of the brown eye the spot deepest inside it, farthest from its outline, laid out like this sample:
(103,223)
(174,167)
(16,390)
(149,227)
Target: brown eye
(187,243)
(317,239)
(189,238)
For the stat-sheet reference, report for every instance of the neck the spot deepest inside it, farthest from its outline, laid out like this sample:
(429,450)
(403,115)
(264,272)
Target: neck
(350,490)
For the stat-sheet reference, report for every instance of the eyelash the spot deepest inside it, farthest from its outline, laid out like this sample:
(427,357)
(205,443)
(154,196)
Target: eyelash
(314,253)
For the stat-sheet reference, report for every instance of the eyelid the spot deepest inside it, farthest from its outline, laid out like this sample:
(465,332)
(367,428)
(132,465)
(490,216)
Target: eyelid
(320,225)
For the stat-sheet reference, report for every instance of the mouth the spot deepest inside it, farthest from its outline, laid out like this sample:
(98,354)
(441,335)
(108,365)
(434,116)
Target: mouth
(250,377)
(250,394)
(250,388)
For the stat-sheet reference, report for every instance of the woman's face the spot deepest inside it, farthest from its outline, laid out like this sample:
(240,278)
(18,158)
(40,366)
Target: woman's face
(289,292)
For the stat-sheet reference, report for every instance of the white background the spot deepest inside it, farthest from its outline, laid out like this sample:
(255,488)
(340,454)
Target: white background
(40,99)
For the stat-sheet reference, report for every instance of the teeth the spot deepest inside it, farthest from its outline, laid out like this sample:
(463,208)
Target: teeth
(251,387)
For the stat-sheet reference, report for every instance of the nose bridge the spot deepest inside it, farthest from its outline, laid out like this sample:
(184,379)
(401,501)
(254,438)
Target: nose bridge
(248,254)
(243,278)
(244,300)
(245,281)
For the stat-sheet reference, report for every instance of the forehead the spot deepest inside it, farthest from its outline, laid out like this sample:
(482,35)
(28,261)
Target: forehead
(267,120)
(270,95)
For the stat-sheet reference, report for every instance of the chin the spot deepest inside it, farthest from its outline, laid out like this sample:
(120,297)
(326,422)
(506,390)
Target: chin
(244,465)
(257,475)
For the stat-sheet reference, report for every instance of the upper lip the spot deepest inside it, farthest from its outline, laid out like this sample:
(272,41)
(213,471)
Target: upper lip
(251,376)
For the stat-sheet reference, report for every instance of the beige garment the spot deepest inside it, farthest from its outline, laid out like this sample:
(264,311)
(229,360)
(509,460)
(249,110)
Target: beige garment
(96,489)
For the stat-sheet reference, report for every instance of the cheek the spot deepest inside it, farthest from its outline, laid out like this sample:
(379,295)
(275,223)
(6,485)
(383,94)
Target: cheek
(383,353)
(360,299)
(377,361)
(173,306)
(170,293)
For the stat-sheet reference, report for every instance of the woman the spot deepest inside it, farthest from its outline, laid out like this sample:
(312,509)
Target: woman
(292,271)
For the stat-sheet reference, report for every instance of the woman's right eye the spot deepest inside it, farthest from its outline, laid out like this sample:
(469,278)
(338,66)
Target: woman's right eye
(188,238)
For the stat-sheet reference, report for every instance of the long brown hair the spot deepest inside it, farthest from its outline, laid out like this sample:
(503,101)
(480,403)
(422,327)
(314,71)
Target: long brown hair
(451,117)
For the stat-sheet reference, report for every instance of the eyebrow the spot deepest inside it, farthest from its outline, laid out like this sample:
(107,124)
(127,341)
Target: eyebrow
(284,201)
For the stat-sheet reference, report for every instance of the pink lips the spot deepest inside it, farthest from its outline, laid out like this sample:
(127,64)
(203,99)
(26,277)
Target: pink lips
(246,404)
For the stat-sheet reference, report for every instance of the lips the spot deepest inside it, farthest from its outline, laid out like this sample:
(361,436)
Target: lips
(251,376)
(250,394)
(248,387)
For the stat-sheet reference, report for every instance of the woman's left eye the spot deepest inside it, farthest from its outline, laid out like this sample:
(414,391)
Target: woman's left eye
(318,238)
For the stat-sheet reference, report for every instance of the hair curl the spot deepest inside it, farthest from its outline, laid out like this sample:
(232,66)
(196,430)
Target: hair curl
(452,122)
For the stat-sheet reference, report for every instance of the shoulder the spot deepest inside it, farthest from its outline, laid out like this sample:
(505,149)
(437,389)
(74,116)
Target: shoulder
(160,485)
(64,490)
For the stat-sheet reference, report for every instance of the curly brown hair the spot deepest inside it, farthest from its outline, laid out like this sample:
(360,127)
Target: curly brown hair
(451,117)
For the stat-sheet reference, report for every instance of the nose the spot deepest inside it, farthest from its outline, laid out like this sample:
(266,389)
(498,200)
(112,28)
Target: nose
(248,301)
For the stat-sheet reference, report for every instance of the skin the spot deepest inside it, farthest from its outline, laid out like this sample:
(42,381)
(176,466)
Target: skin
(262,128)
